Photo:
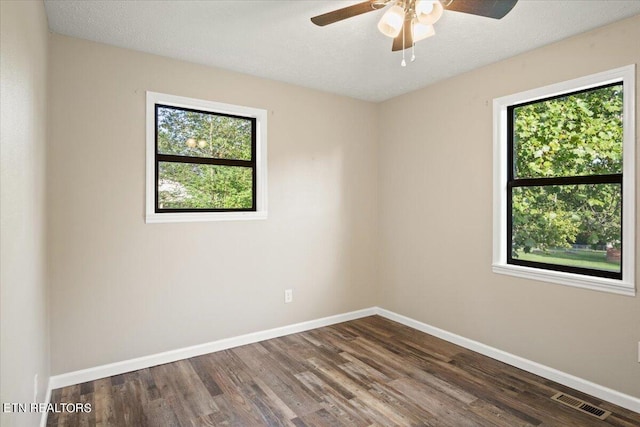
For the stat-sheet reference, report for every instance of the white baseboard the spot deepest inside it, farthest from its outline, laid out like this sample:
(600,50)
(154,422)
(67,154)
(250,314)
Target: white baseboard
(117,368)
(596,390)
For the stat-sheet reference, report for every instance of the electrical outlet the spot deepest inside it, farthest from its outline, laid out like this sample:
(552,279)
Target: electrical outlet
(35,388)
(288,295)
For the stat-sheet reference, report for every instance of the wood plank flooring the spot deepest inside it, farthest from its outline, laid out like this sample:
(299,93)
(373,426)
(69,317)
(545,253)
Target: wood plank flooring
(367,372)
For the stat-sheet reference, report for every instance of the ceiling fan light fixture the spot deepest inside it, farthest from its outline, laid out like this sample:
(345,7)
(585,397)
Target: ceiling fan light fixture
(428,12)
(421,31)
(409,21)
(424,7)
(391,22)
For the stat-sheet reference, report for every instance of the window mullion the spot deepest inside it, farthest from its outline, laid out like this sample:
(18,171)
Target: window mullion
(566,180)
(204,160)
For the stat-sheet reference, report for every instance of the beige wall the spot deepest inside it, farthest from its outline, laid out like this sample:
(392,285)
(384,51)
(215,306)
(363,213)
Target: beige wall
(124,289)
(24,339)
(435,207)
(365,209)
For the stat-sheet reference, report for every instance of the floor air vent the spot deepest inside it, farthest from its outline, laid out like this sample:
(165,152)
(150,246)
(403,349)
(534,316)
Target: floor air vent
(581,405)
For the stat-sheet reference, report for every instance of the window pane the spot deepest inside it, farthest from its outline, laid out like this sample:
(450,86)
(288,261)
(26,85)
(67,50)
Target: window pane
(575,135)
(571,225)
(202,134)
(199,186)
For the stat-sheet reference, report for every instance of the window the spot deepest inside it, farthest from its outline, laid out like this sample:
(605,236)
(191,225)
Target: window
(206,161)
(564,183)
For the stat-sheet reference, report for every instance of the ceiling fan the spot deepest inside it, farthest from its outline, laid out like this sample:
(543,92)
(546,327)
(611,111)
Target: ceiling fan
(409,21)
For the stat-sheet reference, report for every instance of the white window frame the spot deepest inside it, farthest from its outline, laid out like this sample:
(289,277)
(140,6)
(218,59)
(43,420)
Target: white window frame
(625,286)
(151,216)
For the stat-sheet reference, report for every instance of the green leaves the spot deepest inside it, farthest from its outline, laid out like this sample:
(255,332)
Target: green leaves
(203,135)
(541,219)
(575,135)
(211,135)
(196,186)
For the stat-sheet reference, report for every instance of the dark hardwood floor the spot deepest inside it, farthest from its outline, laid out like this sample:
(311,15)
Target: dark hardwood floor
(366,372)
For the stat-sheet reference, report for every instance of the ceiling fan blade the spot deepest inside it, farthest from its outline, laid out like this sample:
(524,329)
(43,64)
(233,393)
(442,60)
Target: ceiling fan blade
(490,8)
(408,37)
(347,12)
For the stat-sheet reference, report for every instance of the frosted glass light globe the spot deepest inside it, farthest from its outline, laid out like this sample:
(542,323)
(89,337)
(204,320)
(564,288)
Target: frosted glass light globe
(391,22)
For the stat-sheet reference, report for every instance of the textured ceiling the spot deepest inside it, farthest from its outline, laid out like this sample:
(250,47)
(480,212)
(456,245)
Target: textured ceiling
(275,39)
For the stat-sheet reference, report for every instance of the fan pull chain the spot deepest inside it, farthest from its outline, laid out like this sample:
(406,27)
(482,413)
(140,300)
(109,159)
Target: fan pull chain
(413,45)
(403,63)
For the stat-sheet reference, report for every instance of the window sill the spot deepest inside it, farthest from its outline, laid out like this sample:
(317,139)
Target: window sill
(568,279)
(153,218)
